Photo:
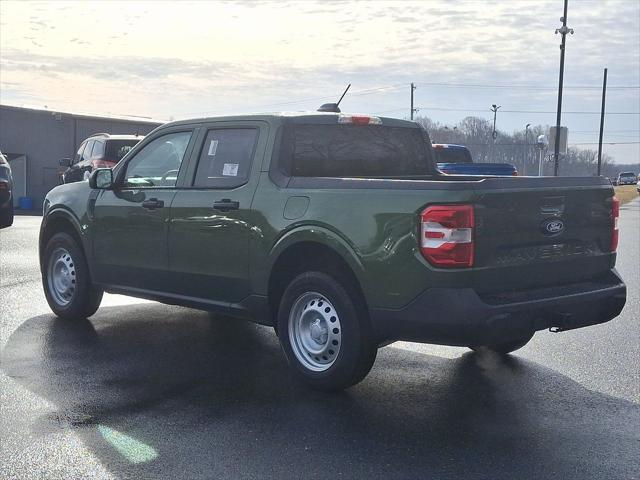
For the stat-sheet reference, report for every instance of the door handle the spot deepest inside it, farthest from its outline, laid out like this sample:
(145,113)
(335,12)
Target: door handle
(226,204)
(152,204)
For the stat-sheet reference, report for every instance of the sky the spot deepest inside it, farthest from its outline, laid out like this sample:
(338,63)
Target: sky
(175,60)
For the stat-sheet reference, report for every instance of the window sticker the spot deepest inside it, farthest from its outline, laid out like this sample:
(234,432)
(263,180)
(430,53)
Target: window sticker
(213,147)
(230,170)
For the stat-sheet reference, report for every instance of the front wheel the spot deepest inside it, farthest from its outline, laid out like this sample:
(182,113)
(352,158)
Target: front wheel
(66,281)
(505,348)
(325,332)
(6,215)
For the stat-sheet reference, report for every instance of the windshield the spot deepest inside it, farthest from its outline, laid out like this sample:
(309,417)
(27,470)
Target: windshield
(628,175)
(116,149)
(452,155)
(365,151)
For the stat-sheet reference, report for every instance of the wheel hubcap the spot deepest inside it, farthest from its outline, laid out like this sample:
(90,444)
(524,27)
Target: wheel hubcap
(315,332)
(61,276)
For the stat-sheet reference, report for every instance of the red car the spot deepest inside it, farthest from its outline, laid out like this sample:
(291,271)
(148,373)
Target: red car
(101,150)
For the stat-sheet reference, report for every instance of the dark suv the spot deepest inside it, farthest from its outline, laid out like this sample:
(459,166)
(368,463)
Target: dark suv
(6,197)
(98,151)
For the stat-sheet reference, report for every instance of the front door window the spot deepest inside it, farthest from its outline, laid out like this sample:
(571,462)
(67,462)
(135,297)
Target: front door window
(158,163)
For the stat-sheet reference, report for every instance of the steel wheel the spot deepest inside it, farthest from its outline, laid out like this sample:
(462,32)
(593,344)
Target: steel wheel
(61,276)
(315,332)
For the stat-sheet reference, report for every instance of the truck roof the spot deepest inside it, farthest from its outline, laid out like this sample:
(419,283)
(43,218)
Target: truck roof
(307,117)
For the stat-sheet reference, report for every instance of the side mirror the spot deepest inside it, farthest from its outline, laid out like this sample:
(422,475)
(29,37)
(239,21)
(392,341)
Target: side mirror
(65,162)
(101,178)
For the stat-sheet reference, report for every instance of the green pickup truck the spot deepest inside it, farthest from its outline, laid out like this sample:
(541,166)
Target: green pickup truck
(340,232)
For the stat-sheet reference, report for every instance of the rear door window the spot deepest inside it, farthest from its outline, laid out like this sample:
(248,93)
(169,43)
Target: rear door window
(226,157)
(371,151)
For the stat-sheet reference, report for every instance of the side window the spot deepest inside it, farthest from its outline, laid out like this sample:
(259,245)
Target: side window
(86,155)
(98,149)
(226,157)
(158,163)
(78,154)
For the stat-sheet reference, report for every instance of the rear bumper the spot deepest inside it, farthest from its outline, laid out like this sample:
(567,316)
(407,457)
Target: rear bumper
(450,316)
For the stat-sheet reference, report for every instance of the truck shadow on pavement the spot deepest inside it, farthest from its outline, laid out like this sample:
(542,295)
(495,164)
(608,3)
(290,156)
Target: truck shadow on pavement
(157,391)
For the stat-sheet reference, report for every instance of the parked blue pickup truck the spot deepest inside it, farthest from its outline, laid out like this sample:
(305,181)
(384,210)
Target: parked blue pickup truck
(456,159)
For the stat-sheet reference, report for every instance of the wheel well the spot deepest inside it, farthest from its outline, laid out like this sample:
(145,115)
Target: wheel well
(308,256)
(56,225)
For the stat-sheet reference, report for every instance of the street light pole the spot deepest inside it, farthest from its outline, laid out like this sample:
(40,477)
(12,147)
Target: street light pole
(526,148)
(494,109)
(563,31)
(413,110)
(494,134)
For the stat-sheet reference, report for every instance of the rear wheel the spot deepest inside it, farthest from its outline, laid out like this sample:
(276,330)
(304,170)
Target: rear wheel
(324,332)
(66,281)
(504,348)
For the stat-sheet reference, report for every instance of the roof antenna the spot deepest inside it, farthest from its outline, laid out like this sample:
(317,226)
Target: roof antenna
(333,107)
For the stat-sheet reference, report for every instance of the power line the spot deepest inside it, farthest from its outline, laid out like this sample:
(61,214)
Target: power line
(527,87)
(447,109)
(357,93)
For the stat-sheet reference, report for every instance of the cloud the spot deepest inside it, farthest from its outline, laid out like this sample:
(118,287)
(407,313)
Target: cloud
(237,56)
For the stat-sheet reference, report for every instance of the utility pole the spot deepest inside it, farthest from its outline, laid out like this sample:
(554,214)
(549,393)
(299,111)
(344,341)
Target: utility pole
(604,94)
(563,31)
(413,110)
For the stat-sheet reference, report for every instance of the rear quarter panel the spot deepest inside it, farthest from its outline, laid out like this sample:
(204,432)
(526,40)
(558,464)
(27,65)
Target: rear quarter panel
(375,231)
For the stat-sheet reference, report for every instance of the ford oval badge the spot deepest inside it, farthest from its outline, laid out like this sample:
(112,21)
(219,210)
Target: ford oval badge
(552,226)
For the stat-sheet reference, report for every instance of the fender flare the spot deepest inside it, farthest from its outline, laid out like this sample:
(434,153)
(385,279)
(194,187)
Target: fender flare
(60,212)
(315,234)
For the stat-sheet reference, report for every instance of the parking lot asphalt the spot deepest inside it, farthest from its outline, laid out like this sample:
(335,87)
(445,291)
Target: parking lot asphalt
(144,390)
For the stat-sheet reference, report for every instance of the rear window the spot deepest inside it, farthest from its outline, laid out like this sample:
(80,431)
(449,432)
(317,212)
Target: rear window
(628,174)
(453,155)
(367,151)
(116,149)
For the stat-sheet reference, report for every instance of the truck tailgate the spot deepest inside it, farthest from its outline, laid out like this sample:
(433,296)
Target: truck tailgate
(540,232)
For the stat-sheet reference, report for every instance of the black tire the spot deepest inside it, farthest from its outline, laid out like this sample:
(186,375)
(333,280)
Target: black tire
(84,299)
(6,215)
(507,347)
(357,350)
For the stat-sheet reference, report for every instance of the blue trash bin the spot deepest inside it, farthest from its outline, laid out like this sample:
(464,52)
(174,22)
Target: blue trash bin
(25,203)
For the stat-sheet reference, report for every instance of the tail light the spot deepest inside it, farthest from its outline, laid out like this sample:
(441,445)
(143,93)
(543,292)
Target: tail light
(615,214)
(446,235)
(359,120)
(100,164)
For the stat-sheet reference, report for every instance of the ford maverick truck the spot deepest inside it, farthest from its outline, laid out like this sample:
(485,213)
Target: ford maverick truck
(340,232)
